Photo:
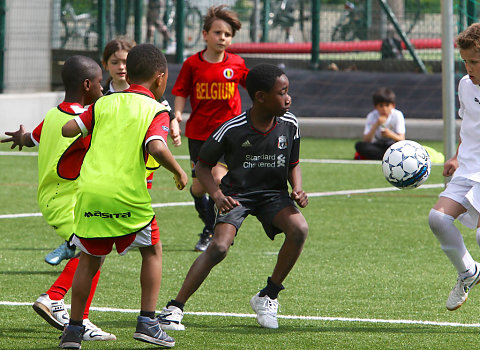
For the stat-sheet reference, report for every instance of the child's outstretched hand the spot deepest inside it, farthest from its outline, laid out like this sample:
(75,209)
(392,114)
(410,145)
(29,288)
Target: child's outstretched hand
(16,137)
(300,197)
(181,180)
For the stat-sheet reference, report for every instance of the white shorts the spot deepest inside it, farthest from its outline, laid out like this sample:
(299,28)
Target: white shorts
(467,193)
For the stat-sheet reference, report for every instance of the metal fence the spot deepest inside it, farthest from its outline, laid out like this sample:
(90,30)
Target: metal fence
(366,35)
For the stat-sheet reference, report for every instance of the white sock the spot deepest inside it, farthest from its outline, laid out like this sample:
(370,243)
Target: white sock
(451,241)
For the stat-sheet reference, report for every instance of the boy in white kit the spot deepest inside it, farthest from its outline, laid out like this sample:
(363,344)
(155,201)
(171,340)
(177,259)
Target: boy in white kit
(461,198)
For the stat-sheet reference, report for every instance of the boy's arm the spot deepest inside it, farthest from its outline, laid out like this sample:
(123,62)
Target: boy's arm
(295,180)
(164,157)
(19,138)
(175,132)
(179,106)
(451,164)
(204,175)
(71,129)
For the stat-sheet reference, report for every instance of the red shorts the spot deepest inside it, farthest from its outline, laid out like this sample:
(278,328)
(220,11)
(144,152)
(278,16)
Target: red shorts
(147,237)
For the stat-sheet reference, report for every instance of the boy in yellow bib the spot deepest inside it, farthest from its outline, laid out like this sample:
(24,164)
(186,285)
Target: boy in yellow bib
(113,205)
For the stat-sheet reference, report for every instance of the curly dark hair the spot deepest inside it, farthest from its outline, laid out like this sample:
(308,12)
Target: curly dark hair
(144,61)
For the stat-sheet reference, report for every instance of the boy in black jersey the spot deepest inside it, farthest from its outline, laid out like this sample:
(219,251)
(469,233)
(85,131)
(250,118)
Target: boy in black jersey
(261,149)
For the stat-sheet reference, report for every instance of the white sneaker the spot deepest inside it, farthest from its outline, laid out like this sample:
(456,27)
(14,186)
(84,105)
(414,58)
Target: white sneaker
(92,332)
(52,311)
(266,310)
(459,293)
(171,319)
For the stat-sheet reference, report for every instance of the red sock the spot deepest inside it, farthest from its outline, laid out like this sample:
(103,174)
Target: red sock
(64,282)
(92,293)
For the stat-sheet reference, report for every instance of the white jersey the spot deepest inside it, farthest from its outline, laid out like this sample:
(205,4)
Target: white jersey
(469,150)
(395,122)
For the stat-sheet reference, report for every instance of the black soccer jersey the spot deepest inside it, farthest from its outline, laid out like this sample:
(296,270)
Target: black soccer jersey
(256,161)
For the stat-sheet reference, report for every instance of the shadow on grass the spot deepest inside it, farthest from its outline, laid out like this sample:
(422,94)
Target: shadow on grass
(51,273)
(242,329)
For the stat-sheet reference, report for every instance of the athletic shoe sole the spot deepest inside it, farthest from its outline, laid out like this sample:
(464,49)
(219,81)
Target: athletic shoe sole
(147,339)
(43,311)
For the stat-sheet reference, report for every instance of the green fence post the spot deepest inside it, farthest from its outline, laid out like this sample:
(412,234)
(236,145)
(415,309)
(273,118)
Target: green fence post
(102,24)
(120,17)
(179,30)
(461,15)
(315,33)
(3,12)
(471,12)
(138,13)
(266,19)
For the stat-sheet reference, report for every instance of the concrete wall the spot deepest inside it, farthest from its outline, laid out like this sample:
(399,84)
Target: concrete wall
(26,109)
(27,45)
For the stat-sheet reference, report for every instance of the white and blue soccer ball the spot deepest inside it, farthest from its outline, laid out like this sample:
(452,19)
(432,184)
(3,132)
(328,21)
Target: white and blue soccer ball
(406,164)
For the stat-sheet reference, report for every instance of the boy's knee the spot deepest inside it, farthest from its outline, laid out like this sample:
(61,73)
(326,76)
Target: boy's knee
(299,234)
(217,251)
(438,220)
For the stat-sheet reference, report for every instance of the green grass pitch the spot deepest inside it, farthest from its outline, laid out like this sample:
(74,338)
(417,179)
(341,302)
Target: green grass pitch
(371,276)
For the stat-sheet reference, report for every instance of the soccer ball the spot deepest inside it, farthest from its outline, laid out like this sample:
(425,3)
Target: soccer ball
(406,164)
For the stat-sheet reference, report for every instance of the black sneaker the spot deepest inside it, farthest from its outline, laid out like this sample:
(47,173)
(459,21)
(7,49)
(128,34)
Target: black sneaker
(204,240)
(72,337)
(149,331)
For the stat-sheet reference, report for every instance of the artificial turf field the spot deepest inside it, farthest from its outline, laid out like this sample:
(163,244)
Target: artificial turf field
(371,276)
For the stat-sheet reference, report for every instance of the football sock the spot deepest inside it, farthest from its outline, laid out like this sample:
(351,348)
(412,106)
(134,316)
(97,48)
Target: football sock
(150,314)
(175,303)
(75,323)
(451,241)
(210,215)
(92,293)
(70,244)
(64,282)
(271,289)
(201,205)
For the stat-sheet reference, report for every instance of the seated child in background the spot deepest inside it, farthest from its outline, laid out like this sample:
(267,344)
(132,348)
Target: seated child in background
(384,126)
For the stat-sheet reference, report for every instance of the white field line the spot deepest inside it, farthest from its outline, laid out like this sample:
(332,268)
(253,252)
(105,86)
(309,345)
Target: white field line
(289,317)
(311,195)
(306,160)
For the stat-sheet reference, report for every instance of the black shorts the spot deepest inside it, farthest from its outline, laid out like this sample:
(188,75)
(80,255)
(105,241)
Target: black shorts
(194,149)
(263,205)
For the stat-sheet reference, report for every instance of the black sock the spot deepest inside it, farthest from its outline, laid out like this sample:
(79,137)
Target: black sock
(150,314)
(271,289)
(201,205)
(210,215)
(176,303)
(75,323)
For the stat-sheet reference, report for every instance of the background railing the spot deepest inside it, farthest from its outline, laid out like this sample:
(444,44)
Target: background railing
(347,35)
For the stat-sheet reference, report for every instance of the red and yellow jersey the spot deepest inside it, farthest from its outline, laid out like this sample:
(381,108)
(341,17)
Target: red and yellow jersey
(213,92)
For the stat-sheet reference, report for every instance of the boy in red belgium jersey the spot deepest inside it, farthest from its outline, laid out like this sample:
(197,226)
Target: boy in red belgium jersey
(210,79)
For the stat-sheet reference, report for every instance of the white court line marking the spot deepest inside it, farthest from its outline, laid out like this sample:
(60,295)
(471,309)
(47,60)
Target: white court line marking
(313,194)
(289,317)
(305,160)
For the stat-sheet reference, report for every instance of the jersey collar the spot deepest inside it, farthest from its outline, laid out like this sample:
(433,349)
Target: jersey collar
(71,107)
(200,56)
(139,89)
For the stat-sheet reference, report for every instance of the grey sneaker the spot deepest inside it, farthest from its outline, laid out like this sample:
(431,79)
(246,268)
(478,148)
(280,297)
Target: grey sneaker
(205,238)
(171,319)
(52,311)
(149,331)
(72,337)
(266,310)
(62,252)
(459,293)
